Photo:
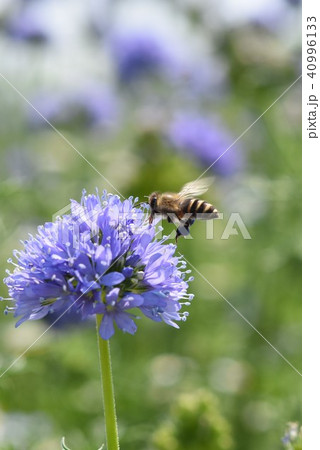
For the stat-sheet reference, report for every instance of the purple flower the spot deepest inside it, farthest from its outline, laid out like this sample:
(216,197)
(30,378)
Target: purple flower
(99,259)
(29,24)
(150,50)
(140,52)
(93,105)
(206,141)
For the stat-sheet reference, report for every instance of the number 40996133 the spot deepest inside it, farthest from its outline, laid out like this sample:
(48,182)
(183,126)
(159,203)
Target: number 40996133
(311,46)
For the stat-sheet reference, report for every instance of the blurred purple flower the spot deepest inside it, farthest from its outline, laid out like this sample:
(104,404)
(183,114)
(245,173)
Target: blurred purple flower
(29,24)
(206,141)
(147,51)
(100,259)
(140,52)
(94,105)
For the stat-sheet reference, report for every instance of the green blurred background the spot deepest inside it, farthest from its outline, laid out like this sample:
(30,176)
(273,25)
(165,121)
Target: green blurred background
(151,93)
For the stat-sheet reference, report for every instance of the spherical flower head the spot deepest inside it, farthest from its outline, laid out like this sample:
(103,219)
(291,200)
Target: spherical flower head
(206,141)
(140,52)
(92,105)
(101,258)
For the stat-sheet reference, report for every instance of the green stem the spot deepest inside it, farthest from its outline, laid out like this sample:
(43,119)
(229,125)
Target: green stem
(109,404)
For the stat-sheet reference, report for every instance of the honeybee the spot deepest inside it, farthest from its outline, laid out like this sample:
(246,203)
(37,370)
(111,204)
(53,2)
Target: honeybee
(184,205)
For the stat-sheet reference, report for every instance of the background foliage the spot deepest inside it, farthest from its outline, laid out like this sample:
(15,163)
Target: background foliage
(151,93)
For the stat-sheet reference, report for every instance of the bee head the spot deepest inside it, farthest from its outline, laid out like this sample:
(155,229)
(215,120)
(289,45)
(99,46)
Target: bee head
(153,199)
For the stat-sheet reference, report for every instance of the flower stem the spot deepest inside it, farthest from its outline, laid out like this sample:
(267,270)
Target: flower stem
(109,404)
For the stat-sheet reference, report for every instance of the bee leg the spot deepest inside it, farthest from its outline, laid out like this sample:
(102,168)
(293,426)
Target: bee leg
(191,221)
(178,234)
(151,218)
(185,226)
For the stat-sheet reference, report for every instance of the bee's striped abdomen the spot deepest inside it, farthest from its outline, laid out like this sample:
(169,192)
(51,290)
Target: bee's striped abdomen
(196,206)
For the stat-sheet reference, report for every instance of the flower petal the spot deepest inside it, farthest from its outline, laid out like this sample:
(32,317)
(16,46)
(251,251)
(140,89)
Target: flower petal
(131,301)
(151,313)
(153,299)
(106,329)
(112,296)
(112,278)
(103,258)
(125,322)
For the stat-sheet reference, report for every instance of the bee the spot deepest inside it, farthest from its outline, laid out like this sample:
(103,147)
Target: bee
(184,205)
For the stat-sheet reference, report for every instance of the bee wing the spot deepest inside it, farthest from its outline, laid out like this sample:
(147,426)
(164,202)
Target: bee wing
(195,188)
